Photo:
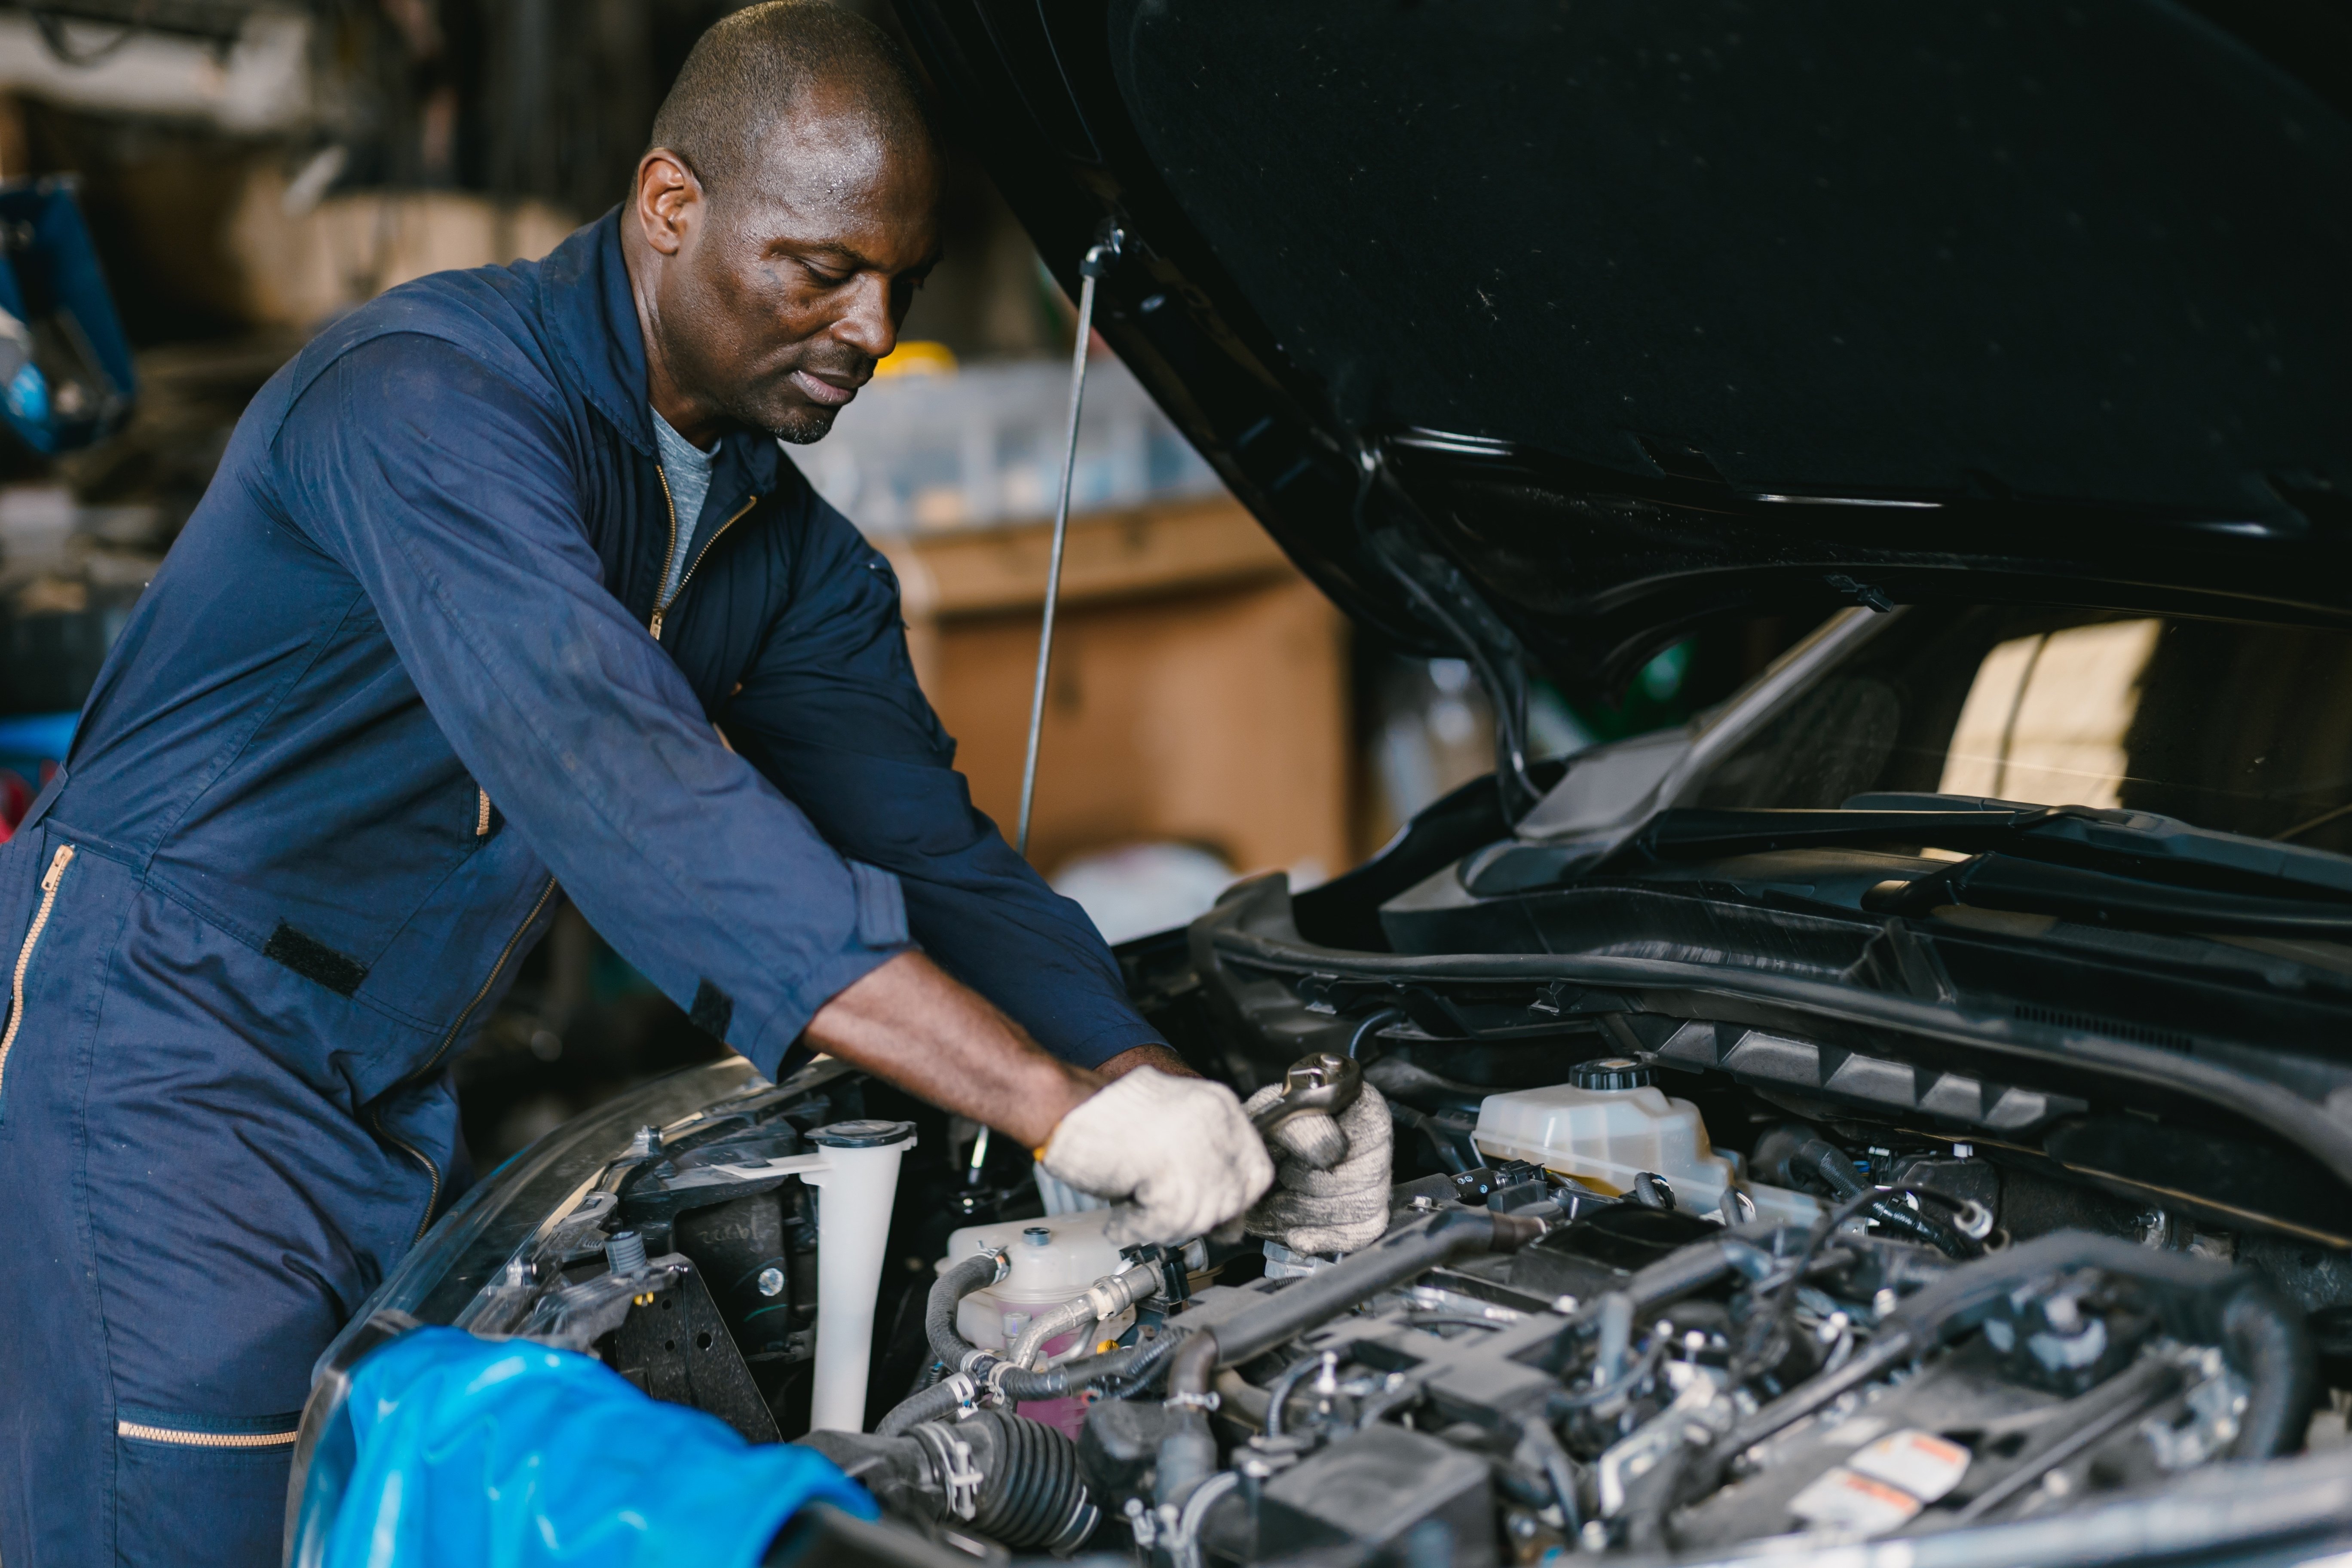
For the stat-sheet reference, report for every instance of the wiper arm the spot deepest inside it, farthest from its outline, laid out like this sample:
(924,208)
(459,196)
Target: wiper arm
(2126,845)
(1997,881)
(1689,834)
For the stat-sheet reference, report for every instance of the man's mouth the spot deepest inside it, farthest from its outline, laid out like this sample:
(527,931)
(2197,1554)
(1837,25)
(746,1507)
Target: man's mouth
(824,393)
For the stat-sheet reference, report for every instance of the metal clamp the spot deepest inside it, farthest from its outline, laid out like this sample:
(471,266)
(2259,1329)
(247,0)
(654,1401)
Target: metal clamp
(1192,1400)
(967,1394)
(959,1479)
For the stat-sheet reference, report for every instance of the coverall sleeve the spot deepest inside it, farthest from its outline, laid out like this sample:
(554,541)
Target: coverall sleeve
(443,483)
(832,713)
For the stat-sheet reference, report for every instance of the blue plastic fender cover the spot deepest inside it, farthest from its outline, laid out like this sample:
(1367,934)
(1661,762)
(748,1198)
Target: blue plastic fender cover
(504,1453)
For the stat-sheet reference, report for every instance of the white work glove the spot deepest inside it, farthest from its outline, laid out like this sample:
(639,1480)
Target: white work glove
(1176,1154)
(1340,1209)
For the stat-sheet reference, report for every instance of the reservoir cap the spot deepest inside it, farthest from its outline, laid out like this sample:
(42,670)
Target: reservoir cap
(862,1135)
(1609,1072)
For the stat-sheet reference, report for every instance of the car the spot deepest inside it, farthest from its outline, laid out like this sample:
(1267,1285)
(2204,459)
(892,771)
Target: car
(1905,1110)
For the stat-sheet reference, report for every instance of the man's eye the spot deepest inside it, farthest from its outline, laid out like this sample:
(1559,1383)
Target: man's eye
(826,279)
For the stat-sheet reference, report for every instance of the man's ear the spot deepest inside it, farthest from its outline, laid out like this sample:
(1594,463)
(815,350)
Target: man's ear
(670,198)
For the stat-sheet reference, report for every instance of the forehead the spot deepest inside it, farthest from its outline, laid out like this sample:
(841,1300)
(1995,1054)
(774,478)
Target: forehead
(831,172)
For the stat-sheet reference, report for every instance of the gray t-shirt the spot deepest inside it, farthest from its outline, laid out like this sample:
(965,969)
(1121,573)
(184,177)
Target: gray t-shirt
(688,468)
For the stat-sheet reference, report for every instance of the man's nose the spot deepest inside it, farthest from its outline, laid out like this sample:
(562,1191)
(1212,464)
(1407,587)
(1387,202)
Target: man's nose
(867,326)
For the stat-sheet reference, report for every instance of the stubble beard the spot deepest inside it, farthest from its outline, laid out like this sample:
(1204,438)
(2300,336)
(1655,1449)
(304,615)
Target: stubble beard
(805,427)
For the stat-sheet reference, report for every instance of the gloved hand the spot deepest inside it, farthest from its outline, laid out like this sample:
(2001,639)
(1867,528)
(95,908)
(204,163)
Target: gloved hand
(1177,1151)
(1334,1210)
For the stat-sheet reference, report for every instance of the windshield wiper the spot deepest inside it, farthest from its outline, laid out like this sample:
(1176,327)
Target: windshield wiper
(2135,845)
(1997,881)
(2096,866)
(1695,833)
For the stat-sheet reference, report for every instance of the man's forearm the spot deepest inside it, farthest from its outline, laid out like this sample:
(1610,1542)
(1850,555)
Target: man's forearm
(1154,1056)
(910,1025)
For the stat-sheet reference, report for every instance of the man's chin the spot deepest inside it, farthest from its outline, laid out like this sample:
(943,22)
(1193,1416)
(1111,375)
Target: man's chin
(801,426)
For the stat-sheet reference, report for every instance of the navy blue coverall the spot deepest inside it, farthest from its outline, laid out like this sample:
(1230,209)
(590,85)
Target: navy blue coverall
(401,677)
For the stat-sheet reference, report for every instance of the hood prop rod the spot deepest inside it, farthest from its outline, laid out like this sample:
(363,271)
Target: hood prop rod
(1097,262)
(1454,608)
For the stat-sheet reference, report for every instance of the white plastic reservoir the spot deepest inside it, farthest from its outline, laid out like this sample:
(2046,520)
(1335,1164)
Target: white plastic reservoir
(856,1179)
(1050,1261)
(1609,1124)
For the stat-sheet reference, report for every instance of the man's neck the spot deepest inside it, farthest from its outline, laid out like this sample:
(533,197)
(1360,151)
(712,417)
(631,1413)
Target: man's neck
(694,417)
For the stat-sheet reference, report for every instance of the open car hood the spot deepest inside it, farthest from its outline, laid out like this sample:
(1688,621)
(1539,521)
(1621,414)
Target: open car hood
(1572,325)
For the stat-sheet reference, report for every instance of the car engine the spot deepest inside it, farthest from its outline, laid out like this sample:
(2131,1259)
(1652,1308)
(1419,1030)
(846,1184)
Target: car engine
(1522,1365)
(1604,1336)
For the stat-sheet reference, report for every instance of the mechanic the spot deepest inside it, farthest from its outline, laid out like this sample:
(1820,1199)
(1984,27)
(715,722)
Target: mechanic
(503,585)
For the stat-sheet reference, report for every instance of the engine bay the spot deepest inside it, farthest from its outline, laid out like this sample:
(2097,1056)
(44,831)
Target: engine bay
(1636,1300)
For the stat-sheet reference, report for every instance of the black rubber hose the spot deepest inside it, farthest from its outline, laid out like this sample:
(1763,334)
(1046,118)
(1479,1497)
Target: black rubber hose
(1537,1434)
(2244,1317)
(974,1273)
(1032,1490)
(1059,1382)
(1373,1026)
(2268,1343)
(1035,1493)
(1188,1450)
(1133,1363)
(1278,1391)
(1921,1226)
(1817,1157)
(934,1404)
(1814,1159)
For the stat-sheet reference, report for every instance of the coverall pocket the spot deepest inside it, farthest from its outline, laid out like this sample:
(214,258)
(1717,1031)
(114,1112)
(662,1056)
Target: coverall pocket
(206,1434)
(200,1489)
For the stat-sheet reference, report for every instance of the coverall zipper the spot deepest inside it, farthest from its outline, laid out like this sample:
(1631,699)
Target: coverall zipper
(432,1171)
(661,607)
(205,1439)
(669,505)
(55,874)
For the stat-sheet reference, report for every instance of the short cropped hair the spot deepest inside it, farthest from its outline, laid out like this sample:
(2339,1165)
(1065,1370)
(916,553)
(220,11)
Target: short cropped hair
(746,72)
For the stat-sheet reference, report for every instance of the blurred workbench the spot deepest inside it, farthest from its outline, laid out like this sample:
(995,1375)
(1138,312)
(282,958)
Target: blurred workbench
(1199,689)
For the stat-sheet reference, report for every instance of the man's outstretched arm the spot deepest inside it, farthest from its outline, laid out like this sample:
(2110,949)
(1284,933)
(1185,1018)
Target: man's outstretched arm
(1176,1147)
(907,1022)
(437,479)
(830,712)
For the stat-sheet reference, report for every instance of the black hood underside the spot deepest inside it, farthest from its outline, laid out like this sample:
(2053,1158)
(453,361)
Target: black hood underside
(1651,313)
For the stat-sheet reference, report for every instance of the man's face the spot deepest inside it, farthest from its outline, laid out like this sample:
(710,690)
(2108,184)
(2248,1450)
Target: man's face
(786,285)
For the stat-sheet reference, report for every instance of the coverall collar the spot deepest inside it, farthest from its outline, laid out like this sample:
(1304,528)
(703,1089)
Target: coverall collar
(592,318)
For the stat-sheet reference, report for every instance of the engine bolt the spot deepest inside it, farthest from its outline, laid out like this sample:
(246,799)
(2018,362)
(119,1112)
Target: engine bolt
(771,1281)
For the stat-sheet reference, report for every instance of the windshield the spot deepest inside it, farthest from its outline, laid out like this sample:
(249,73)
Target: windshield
(2235,726)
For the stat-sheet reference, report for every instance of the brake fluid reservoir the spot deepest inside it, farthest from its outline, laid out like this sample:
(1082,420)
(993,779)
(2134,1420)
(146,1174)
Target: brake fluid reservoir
(1050,1261)
(1608,1124)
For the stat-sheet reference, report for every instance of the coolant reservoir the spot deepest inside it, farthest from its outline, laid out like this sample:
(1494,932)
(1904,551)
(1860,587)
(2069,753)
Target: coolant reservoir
(1608,1124)
(1052,1261)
